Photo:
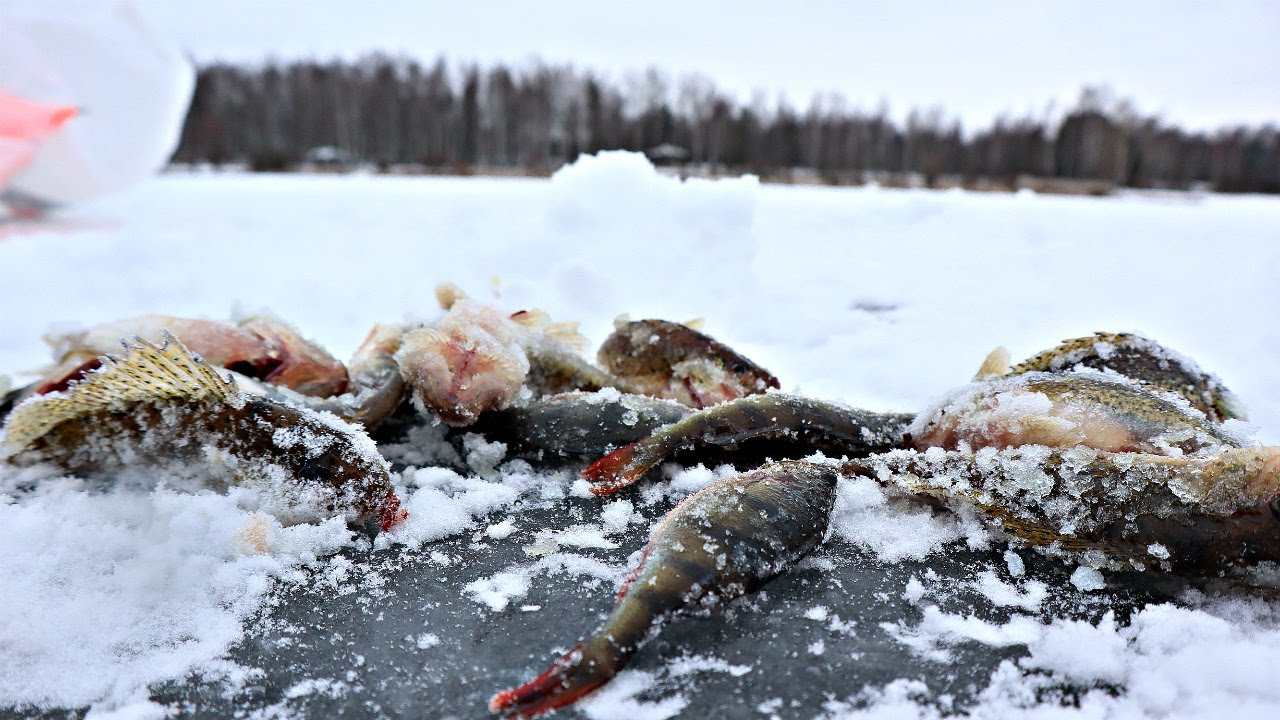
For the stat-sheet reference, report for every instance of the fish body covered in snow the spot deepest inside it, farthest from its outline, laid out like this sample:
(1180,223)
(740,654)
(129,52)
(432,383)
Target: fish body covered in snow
(724,541)
(1189,514)
(1088,461)
(163,407)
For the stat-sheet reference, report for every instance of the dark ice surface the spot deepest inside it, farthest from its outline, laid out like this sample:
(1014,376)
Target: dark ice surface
(349,650)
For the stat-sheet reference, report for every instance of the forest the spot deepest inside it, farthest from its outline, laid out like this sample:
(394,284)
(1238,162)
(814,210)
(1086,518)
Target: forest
(399,115)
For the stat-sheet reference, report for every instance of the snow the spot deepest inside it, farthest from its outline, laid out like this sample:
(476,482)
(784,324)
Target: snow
(882,299)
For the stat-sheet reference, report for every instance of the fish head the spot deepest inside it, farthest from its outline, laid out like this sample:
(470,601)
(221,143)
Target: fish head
(297,363)
(329,465)
(470,363)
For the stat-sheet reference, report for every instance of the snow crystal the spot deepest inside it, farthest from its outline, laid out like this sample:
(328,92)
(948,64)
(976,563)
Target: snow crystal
(1014,561)
(444,503)
(894,529)
(691,480)
(1087,579)
(1003,594)
(1081,652)
(939,629)
(498,590)
(501,530)
(914,591)
(619,514)
(321,686)
(690,664)
(482,456)
(817,612)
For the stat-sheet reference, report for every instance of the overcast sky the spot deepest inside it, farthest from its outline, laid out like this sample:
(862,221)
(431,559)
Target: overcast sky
(1200,63)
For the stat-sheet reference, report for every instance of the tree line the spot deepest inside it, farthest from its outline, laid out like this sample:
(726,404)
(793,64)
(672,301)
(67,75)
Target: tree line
(396,113)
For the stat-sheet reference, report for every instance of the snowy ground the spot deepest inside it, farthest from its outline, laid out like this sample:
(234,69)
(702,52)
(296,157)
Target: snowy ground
(880,298)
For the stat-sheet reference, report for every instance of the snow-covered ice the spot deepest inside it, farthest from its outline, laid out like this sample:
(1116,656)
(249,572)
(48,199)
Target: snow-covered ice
(880,298)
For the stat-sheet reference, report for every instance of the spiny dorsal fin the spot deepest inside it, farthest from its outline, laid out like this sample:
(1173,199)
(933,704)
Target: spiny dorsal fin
(996,365)
(148,372)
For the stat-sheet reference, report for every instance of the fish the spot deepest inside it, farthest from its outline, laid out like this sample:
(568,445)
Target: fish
(664,359)
(301,365)
(790,423)
(1183,514)
(1142,359)
(161,406)
(720,543)
(260,347)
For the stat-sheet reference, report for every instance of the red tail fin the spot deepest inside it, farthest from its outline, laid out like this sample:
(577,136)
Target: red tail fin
(580,671)
(614,471)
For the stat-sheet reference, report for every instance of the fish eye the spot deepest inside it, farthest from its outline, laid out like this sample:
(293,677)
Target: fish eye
(317,468)
(258,406)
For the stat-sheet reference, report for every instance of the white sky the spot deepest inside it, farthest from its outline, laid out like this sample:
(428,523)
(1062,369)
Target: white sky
(1200,63)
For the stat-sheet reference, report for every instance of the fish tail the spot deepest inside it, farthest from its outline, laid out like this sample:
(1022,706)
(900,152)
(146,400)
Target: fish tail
(590,664)
(616,470)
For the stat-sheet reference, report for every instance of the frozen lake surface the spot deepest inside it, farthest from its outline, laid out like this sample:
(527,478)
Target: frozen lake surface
(140,600)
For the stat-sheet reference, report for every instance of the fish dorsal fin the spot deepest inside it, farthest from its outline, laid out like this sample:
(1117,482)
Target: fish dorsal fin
(695,323)
(148,372)
(996,365)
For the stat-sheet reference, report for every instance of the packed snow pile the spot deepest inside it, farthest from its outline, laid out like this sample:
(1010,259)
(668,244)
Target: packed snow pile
(143,595)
